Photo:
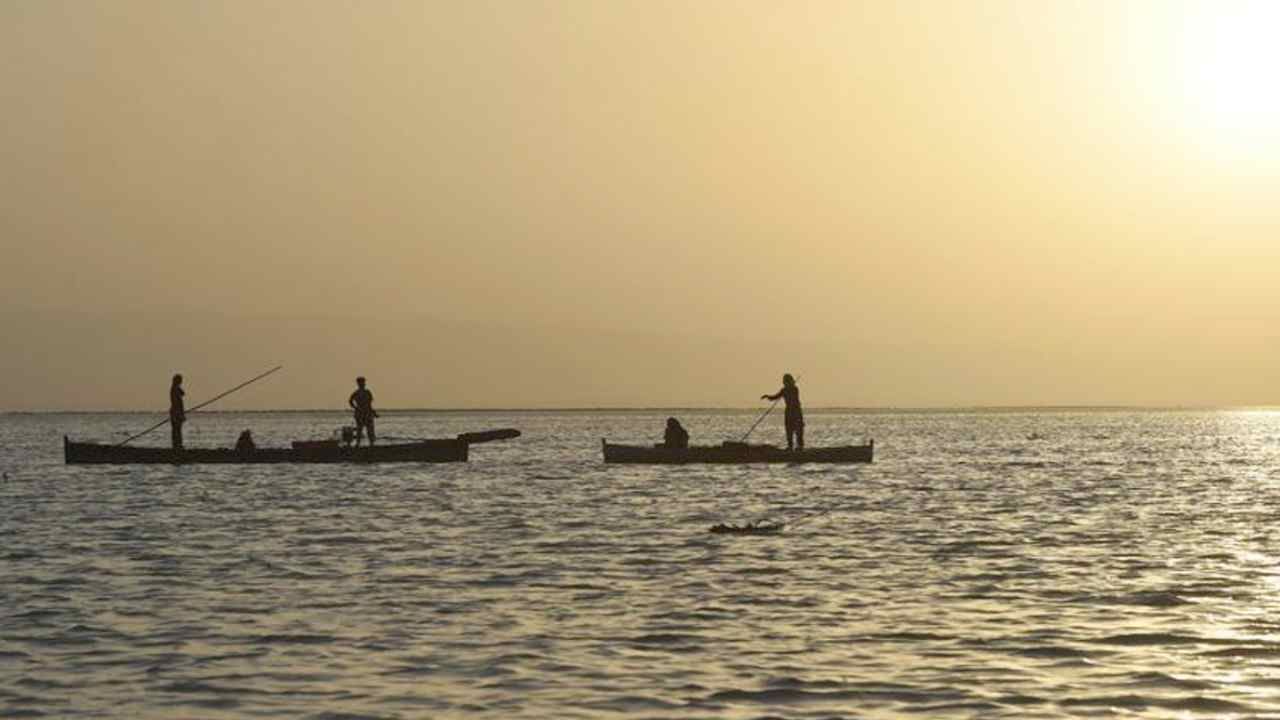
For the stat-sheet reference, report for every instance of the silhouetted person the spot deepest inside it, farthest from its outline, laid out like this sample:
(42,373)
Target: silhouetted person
(245,443)
(794,416)
(177,410)
(361,401)
(675,436)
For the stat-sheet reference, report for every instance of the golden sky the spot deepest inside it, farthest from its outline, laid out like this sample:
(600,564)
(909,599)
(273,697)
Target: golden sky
(641,203)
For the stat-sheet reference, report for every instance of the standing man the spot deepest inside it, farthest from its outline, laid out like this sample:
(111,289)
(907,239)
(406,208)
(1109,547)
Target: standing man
(794,415)
(361,401)
(177,410)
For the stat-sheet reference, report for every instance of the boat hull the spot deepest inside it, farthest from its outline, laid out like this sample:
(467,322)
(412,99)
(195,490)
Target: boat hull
(735,453)
(427,451)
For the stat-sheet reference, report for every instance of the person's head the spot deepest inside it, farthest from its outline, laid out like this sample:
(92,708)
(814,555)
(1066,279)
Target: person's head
(788,380)
(177,379)
(673,423)
(360,381)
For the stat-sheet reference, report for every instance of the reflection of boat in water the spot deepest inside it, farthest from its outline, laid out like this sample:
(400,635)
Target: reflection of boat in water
(735,453)
(309,451)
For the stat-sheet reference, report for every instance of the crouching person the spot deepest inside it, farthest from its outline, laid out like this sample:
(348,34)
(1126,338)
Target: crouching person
(675,436)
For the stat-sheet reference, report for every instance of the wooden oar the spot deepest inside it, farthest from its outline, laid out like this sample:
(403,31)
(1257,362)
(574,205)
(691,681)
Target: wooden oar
(210,401)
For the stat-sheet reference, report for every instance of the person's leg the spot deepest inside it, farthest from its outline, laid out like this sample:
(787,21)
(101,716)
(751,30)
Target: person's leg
(359,431)
(791,431)
(176,437)
(800,435)
(371,435)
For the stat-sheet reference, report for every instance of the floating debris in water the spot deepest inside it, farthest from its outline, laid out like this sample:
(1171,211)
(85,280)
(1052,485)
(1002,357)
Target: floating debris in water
(748,529)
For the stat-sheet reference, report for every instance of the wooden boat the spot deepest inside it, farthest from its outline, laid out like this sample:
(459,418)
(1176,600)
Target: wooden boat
(308,451)
(734,453)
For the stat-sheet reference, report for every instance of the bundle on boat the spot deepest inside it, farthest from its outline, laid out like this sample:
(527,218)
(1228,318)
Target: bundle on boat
(735,452)
(304,451)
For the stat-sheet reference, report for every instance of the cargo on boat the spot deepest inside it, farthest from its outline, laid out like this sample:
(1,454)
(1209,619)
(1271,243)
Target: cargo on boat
(734,453)
(305,451)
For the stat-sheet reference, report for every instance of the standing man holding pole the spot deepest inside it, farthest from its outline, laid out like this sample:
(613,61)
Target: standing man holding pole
(177,410)
(794,416)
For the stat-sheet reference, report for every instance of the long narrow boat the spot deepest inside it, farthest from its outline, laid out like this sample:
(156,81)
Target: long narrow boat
(735,453)
(320,451)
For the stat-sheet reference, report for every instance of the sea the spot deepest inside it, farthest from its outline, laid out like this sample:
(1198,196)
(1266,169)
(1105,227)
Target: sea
(1054,563)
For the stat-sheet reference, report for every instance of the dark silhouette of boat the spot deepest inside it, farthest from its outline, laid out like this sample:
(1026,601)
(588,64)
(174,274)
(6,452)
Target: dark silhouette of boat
(307,451)
(735,453)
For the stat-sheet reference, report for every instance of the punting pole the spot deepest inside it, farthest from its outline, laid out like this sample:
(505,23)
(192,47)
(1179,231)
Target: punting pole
(210,401)
(759,420)
(762,417)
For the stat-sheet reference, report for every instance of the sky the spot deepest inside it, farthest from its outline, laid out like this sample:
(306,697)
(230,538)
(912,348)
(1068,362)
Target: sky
(640,203)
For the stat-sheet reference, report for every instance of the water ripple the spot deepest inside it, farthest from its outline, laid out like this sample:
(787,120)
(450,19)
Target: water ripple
(988,565)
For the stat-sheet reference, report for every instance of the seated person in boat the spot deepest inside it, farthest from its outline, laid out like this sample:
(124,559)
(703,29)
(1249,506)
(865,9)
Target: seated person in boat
(361,401)
(675,436)
(348,435)
(245,443)
(794,416)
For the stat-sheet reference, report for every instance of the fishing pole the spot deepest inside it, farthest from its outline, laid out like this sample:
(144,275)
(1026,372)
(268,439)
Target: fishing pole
(210,401)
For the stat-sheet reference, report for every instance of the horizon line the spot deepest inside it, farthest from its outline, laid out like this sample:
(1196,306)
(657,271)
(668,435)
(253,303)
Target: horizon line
(690,408)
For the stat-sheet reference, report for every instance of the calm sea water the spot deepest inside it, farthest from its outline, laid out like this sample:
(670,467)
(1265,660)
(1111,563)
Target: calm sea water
(996,564)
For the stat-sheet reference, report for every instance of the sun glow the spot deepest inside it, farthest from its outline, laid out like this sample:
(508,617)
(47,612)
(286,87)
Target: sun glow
(1230,79)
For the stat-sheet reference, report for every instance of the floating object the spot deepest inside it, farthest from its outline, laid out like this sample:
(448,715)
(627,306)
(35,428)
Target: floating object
(302,451)
(748,529)
(735,452)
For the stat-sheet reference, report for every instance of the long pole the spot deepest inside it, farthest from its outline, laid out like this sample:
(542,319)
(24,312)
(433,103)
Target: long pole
(210,401)
(762,417)
(760,420)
